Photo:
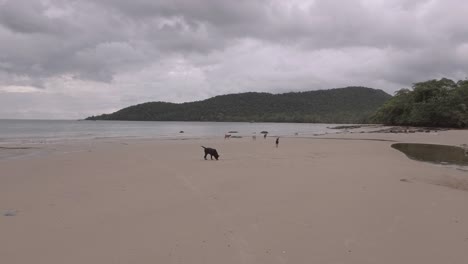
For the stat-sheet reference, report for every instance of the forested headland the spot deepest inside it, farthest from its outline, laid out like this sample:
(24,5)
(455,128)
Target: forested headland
(433,103)
(341,105)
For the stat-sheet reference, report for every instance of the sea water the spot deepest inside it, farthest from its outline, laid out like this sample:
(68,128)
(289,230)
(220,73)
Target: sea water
(43,131)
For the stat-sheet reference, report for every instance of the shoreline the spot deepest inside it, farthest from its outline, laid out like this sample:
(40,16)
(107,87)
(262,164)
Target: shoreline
(381,134)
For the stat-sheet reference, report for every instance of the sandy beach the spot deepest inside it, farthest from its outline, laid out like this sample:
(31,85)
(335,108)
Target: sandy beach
(347,198)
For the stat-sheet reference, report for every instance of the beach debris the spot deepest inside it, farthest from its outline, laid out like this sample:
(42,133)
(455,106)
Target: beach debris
(233,132)
(264,132)
(10,213)
(404,180)
(181,132)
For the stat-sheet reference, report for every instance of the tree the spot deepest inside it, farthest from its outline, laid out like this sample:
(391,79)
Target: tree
(432,103)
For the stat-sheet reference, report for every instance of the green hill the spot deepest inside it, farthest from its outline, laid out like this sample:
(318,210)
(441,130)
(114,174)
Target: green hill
(342,105)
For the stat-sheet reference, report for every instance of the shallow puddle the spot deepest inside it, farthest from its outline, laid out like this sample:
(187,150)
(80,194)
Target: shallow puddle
(439,154)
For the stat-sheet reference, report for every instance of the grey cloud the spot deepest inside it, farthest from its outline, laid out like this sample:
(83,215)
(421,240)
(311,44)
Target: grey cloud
(27,17)
(180,50)
(321,23)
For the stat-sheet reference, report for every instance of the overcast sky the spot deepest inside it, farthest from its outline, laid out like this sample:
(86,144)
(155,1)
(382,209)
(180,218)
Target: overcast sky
(72,59)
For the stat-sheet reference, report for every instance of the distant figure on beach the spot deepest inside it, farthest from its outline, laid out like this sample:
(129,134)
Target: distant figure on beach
(264,136)
(277,142)
(254,136)
(227,136)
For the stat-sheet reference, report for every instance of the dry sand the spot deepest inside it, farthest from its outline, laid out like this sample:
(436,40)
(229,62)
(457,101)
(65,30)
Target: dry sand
(308,201)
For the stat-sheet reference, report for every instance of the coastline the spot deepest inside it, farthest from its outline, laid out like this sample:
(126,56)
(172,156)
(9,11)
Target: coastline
(336,198)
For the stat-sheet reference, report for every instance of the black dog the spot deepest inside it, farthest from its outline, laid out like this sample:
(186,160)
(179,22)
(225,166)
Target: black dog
(212,152)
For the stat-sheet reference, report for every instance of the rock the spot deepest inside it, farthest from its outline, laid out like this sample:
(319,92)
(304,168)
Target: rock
(10,213)
(345,127)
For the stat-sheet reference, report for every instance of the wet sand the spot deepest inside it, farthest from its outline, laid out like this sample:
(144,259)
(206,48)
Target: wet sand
(324,200)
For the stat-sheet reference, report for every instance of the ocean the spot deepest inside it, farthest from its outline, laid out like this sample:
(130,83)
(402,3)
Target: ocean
(43,131)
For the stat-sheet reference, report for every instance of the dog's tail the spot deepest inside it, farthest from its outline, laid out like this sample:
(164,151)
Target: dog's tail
(203,147)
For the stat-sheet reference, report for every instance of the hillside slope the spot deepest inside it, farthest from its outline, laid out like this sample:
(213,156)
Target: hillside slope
(341,105)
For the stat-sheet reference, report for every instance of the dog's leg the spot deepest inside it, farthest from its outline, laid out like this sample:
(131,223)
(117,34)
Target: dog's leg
(211,156)
(206,154)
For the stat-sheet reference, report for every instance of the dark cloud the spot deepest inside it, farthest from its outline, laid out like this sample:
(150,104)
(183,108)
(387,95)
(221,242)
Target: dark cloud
(121,52)
(27,17)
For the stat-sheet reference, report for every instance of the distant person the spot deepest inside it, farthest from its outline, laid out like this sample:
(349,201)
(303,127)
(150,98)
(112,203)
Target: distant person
(264,136)
(277,142)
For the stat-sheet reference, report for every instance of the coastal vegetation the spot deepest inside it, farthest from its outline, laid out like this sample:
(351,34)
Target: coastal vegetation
(433,103)
(341,105)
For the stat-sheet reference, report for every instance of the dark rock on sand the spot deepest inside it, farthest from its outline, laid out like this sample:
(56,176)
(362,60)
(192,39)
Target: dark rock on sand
(403,129)
(10,213)
(346,127)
